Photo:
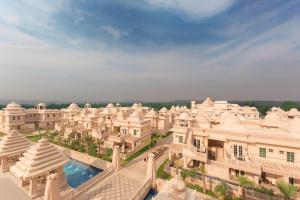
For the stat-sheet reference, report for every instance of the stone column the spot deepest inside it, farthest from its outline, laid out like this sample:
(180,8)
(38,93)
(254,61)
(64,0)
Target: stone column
(32,187)
(22,183)
(62,177)
(4,164)
(170,155)
(185,162)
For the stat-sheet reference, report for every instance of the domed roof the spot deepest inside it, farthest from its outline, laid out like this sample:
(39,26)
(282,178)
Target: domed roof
(293,110)
(73,106)
(135,105)
(183,116)
(272,117)
(136,115)
(164,109)
(151,113)
(229,118)
(294,125)
(13,106)
(42,104)
(110,105)
(208,102)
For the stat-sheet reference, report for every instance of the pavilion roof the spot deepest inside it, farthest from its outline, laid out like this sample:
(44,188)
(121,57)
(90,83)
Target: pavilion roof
(13,143)
(283,168)
(40,159)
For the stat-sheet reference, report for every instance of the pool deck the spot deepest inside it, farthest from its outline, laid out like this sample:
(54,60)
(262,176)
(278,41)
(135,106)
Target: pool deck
(118,186)
(9,189)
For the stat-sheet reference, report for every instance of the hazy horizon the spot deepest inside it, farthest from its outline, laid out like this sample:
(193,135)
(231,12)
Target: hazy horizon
(150,50)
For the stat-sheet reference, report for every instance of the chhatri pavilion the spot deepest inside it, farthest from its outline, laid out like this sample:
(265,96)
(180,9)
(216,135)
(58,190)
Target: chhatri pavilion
(12,146)
(38,162)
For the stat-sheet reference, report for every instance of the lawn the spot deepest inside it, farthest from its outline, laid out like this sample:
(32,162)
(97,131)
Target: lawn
(34,138)
(139,152)
(160,173)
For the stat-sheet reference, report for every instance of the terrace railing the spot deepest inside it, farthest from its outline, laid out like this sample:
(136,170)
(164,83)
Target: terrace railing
(197,153)
(142,191)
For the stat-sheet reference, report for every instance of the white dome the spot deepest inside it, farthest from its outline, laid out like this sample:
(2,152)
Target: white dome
(136,115)
(151,113)
(110,105)
(135,105)
(273,117)
(13,106)
(73,106)
(183,116)
(164,109)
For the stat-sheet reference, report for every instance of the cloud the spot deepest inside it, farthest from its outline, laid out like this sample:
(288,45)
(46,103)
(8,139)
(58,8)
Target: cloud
(116,33)
(194,9)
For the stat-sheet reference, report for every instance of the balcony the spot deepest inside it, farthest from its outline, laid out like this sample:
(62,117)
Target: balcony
(194,153)
(116,138)
(244,165)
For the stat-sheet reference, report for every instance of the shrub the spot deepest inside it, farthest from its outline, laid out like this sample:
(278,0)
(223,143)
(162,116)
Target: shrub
(160,173)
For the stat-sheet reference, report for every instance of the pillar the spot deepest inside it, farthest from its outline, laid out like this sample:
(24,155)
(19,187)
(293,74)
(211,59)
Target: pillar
(256,179)
(22,183)
(170,155)
(62,177)
(184,162)
(4,164)
(32,187)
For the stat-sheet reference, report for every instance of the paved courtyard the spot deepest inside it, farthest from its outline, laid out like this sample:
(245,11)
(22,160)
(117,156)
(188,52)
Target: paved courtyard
(9,189)
(116,187)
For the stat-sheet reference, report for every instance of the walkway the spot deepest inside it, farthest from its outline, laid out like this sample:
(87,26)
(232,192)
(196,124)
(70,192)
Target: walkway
(9,189)
(123,184)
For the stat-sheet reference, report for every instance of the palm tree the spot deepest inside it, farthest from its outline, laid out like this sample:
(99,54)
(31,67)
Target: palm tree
(287,190)
(203,173)
(222,190)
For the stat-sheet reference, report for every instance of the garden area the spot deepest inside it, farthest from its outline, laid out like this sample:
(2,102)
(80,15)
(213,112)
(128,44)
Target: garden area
(86,145)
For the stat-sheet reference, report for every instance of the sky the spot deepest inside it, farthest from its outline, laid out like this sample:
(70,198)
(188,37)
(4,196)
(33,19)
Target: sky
(149,50)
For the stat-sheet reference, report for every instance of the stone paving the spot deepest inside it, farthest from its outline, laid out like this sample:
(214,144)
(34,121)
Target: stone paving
(117,187)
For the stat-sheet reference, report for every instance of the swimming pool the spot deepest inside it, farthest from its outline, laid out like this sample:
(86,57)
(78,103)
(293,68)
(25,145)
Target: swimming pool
(150,195)
(78,172)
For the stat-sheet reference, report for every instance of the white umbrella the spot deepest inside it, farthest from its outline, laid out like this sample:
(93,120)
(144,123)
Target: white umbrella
(151,171)
(52,191)
(116,158)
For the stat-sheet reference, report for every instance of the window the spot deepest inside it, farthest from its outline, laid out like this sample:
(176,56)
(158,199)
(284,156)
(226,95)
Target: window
(180,139)
(291,181)
(281,152)
(290,156)
(134,132)
(237,151)
(197,143)
(262,152)
(240,151)
(271,150)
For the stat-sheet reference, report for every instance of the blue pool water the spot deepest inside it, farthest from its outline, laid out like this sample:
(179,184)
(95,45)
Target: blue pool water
(150,195)
(78,173)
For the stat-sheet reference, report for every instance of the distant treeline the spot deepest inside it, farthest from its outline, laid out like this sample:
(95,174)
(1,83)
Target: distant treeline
(262,106)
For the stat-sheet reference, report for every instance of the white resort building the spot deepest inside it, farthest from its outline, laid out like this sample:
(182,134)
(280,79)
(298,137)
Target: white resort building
(14,117)
(230,141)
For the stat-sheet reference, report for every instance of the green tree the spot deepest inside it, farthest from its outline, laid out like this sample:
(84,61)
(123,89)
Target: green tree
(286,189)
(245,183)
(221,190)
(203,173)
